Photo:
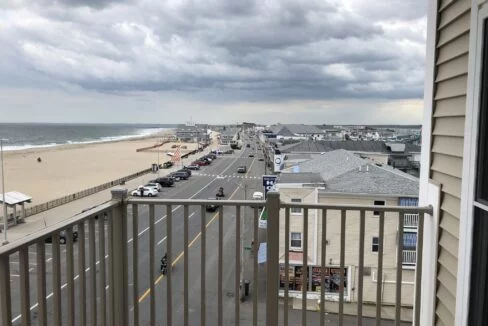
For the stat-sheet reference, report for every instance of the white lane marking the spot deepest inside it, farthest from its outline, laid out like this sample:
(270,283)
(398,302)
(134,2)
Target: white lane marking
(162,240)
(52,293)
(179,206)
(77,276)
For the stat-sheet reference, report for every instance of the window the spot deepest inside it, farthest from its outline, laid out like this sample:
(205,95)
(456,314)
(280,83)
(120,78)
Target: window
(378,203)
(482,180)
(296,210)
(296,240)
(410,241)
(375,246)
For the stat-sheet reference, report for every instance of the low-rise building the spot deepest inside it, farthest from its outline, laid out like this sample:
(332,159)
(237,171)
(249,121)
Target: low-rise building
(297,131)
(340,177)
(228,135)
(405,157)
(195,133)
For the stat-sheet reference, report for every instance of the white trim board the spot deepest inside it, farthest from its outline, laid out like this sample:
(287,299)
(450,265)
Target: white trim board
(427,312)
(478,13)
(429,257)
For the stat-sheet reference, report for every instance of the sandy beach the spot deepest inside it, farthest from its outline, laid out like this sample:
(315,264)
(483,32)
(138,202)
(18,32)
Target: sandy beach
(70,168)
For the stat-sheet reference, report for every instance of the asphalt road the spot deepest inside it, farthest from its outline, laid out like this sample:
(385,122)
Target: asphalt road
(202,185)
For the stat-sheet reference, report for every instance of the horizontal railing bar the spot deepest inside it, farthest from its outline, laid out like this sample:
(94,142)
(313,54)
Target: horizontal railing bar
(397,209)
(46,232)
(401,209)
(196,202)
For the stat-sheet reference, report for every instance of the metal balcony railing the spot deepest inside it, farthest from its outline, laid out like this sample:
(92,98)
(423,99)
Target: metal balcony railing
(411,220)
(409,257)
(112,273)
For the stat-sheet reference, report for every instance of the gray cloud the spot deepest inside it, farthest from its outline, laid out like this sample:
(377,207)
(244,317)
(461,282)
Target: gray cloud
(264,50)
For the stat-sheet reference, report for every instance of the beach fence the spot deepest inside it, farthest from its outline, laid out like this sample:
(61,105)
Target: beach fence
(86,192)
(152,147)
(80,194)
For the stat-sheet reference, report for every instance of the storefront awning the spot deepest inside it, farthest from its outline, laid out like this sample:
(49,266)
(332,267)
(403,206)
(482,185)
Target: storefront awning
(295,257)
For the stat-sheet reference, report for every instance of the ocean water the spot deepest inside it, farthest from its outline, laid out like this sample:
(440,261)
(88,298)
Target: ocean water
(37,135)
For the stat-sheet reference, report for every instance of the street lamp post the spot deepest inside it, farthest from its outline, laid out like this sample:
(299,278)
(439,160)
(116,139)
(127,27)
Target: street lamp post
(5,218)
(157,149)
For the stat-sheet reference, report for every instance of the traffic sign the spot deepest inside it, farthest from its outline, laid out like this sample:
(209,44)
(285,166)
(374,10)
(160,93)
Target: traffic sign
(268,183)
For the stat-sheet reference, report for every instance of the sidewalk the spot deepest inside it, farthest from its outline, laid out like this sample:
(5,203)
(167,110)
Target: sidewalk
(37,222)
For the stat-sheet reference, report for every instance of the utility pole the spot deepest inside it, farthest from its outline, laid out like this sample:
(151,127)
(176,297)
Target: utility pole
(5,217)
(243,232)
(157,149)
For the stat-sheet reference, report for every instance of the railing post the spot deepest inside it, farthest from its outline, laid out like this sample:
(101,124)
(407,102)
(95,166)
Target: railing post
(119,270)
(272,257)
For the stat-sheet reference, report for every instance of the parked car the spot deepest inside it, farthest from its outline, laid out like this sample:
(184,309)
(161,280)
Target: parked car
(212,207)
(248,145)
(261,159)
(144,192)
(194,167)
(164,181)
(154,185)
(179,175)
(229,151)
(242,169)
(200,163)
(186,170)
(167,165)
(206,159)
(63,237)
(251,155)
(211,156)
(257,195)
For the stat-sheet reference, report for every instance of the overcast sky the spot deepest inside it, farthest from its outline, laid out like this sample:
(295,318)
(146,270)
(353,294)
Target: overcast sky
(214,61)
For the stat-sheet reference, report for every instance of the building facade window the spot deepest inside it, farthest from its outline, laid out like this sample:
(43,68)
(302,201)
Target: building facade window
(313,279)
(378,203)
(375,244)
(296,240)
(409,240)
(296,210)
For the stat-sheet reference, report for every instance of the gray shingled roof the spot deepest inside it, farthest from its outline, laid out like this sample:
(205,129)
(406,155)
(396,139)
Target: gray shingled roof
(305,177)
(285,132)
(319,146)
(330,164)
(372,179)
(340,169)
(293,129)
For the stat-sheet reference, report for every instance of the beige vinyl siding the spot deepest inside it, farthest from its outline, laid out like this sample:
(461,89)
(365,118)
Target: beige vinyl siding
(453,12)
(449,126)
(450,86)
(453,49)
(451,107)
(447,163)
(448,145)
(453,30)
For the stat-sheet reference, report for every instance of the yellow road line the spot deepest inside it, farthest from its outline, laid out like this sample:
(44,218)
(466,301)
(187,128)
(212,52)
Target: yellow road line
(146,293)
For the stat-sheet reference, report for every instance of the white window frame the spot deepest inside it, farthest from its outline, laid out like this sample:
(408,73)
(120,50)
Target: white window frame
(298,210)
(376,200)
(301,241)
(478,15)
